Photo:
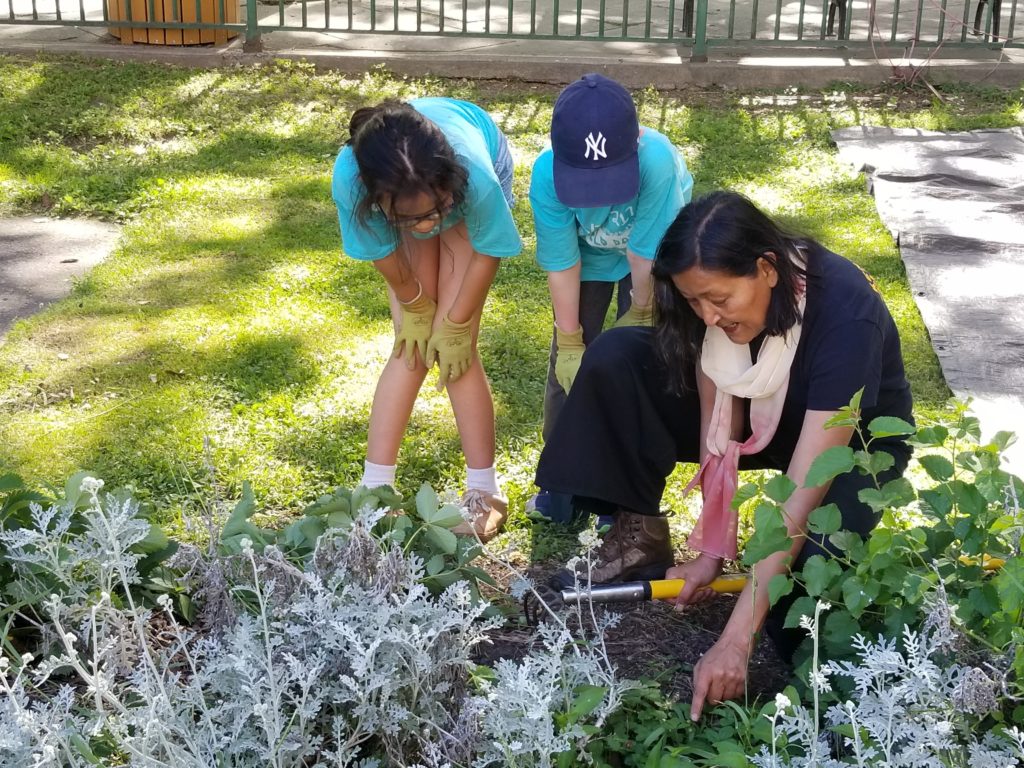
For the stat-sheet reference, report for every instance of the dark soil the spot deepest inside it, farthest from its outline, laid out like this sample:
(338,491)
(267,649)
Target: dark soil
(652,641)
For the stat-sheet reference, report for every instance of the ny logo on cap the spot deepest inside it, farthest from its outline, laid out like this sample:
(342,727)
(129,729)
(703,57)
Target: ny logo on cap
(597,145)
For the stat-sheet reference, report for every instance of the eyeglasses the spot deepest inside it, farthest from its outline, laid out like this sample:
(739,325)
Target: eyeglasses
(435,216)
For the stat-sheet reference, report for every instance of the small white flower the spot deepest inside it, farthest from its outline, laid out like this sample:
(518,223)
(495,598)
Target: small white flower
(819,681)
(26,658)
(164,601)
(92,485)
(589,538)
(246,544)
(4,664)
(782,702)
(70,638)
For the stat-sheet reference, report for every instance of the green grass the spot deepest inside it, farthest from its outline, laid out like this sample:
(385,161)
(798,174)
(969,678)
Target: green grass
(229,312)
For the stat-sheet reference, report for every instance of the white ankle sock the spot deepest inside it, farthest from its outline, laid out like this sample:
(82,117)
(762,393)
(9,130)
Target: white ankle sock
(376,475)
(482,480)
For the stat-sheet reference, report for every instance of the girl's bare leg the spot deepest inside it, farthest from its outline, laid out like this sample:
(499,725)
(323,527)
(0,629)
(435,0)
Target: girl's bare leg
(398,386)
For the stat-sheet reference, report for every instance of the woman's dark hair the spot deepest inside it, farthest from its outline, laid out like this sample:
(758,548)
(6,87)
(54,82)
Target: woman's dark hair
(401,153)
(721,232)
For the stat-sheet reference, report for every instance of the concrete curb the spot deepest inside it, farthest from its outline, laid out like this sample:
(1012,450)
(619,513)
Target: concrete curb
(636,65)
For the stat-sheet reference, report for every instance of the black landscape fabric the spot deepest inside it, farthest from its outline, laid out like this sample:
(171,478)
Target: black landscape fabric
(955,204)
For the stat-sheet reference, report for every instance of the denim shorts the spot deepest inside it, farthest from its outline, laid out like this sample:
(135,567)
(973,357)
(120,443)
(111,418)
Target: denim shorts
(504,166)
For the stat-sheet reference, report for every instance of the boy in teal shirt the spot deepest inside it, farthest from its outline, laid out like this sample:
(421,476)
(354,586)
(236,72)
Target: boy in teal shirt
(602,196)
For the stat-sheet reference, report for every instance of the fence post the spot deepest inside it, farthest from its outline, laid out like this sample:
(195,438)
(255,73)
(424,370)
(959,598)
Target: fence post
(699,53)
(252,43)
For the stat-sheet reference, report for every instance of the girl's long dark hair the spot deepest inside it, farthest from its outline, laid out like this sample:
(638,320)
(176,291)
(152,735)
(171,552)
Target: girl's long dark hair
(721,232)
(401,153)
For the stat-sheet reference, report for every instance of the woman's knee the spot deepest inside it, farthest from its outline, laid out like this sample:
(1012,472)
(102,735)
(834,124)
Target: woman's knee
(618,350)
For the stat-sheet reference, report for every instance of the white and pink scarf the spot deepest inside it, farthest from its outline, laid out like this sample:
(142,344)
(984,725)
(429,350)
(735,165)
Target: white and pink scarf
(765,384)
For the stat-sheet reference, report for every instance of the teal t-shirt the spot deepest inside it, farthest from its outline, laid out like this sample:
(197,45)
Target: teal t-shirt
(477,142)
(599,237)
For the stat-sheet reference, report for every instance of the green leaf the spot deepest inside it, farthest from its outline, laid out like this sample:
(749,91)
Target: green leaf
(654,756)
(832,462)
(848,415)
(731,760)
(441,538)
(968,499)
(932,437)
(879,462)
(839,627)
(1002,440)
(10,482)
(338,501)
(938,467)
(586,698)
(447,516)
(900,492)
(819,574)
(890,426)
(858,595)
(1009,583)
(770,535)
(779,586)
(156,541)
(849,542)
(434,565)
(381,497)
(779,489)
(479,574)
(938,502)
(426,502)
(339,518)
(984,599)
(238,523)
(802,606)
(744,493)
(825,519)
(81,746)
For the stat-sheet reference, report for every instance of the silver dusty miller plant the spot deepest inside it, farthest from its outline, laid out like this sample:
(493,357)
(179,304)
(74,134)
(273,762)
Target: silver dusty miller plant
(907,711)
(351,663)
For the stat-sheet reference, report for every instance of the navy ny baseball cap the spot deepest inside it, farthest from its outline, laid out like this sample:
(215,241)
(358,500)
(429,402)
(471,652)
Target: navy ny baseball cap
(594,133)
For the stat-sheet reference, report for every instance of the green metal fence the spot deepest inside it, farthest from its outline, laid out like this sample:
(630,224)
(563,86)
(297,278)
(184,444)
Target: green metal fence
(697,23)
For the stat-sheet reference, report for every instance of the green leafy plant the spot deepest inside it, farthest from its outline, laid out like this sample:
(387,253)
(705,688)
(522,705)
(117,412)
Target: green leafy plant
(422,527)
(29,518)
(960,531)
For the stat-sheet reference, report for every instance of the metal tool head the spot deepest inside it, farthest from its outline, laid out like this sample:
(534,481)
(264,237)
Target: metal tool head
(626,592)
(540,603)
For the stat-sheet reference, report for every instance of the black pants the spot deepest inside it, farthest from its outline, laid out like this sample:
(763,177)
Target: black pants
(622,431)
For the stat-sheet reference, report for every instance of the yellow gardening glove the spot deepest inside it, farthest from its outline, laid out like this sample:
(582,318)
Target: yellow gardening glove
(414,331)
(453,345)
(569,351)
(642,316)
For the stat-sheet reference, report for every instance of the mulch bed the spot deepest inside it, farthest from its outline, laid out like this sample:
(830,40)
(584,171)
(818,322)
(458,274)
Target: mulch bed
(652,641)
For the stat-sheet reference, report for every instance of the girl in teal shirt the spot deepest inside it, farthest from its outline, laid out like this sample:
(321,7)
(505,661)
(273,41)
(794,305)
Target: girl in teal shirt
(424,192)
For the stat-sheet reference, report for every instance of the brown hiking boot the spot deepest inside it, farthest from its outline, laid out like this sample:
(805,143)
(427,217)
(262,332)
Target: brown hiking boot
(488,513)
(636,548)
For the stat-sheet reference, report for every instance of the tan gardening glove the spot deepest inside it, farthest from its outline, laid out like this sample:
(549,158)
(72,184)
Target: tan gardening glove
(641,316)
(453,345)
(414,330)
(569,351)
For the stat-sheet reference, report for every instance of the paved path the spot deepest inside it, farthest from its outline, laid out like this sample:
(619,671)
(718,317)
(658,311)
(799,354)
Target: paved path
(40,259)
(637,64)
